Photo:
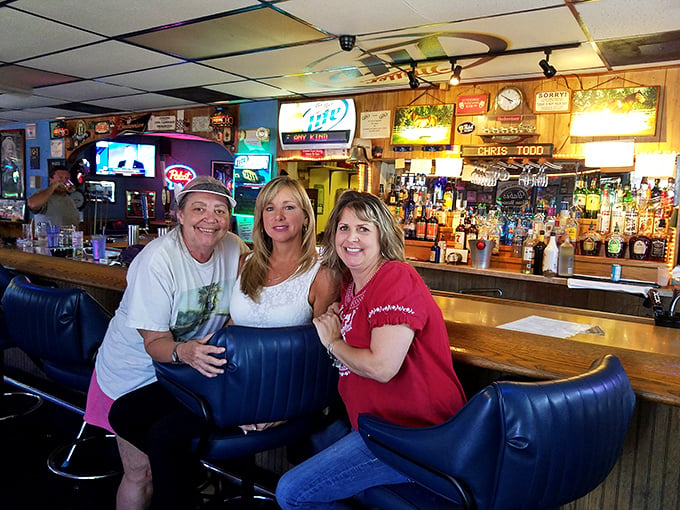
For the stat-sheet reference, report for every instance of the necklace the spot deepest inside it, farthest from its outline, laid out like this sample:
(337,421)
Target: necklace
(275,277)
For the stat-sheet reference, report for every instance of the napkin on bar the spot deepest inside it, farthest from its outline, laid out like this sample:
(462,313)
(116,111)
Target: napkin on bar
(576,283)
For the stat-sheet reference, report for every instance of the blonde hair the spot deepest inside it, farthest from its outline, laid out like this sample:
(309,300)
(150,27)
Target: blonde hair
(369,208)
(254,272)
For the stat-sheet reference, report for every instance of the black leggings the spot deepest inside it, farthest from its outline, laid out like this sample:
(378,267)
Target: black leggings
(159,425)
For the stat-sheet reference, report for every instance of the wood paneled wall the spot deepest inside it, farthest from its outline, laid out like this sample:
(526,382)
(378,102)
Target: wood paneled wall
(551,127)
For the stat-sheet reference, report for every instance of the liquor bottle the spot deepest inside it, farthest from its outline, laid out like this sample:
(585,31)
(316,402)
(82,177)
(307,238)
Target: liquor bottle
(551,256)
(449,194)
(539,248)
(593,200)
(571,230)
(604,218)
(435,252)
(630,223)
(580,194)
(421,226)
(615,244)
(459,236)
(442,248)
(495,236)
(528,253)
(658,242)
(517,242)
(639,247)
(432,226)
(565,264)
(618,211)
(472,232)
(590,242)
(410,227)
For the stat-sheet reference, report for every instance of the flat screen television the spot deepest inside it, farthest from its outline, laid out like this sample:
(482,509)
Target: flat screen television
(125,159)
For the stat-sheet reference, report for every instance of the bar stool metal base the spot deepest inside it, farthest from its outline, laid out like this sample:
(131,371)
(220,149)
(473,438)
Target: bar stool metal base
(87,458)
(18,403)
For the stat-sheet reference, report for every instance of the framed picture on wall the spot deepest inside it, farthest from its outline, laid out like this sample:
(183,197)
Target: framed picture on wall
(13,171)
(223,171)
(423,125)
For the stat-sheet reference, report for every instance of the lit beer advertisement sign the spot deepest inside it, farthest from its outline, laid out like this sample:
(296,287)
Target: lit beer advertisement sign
(179,175)
(317,124)
(527,150)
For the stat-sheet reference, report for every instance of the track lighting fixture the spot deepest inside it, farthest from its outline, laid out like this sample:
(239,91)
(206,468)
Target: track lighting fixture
(548,70)
(412,80)
(347,42)
(455,73)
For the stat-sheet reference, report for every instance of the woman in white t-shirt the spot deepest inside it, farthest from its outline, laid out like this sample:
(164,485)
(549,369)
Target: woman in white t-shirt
(281,282)
(178,293)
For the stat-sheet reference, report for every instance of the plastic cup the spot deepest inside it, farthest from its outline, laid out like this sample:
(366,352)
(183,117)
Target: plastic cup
(27,234)
(53,236)
(99,247)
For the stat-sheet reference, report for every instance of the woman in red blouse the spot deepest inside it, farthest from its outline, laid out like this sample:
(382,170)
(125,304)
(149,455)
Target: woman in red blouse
(390,342)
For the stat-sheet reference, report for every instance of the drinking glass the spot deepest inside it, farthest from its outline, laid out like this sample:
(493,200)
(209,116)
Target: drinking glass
(77,239)
(53,236)
(99,247)
(27,234)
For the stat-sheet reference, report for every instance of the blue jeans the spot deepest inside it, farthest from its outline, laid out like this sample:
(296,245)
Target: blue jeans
(338,472)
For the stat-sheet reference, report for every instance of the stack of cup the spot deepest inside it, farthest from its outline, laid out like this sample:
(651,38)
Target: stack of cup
(27,235)
(133,234)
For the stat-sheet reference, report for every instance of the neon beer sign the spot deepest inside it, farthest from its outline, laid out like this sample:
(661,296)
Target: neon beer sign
(179,175)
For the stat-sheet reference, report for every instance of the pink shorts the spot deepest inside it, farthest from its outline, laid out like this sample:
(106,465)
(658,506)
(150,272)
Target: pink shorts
(98,405)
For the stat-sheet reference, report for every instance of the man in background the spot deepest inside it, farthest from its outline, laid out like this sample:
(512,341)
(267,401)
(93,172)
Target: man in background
(53,203)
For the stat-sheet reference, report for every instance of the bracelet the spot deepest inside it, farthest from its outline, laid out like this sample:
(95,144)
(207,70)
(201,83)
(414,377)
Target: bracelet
(174,356)
(329,348)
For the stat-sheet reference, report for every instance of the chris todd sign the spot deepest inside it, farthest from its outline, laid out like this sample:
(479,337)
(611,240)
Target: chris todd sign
(317,124)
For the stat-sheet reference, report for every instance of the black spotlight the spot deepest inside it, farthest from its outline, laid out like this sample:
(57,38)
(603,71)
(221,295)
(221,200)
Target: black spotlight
(412,80)
(548,70)
(347,42)
(455,74)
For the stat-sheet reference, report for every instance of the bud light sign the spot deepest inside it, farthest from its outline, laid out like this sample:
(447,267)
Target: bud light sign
(317,124)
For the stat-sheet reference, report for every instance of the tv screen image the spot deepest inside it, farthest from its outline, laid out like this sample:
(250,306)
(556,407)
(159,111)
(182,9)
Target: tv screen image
(126,159)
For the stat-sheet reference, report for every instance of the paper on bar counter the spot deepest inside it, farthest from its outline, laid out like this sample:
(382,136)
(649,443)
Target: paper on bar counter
(550,327)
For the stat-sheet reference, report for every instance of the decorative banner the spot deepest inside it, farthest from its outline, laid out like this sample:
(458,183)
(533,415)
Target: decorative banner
(472,104)
(134,125)
(552,102)
(375,124)
(615,112)
(329,124)
(423,125)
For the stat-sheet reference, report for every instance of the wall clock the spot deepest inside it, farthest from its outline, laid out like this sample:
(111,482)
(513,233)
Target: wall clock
(509,98)
(78,199)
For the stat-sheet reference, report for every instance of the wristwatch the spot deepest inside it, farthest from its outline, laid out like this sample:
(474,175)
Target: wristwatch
(175,356)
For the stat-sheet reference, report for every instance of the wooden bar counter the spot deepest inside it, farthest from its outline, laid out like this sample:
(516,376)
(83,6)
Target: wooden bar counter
(104,282)
(646,475)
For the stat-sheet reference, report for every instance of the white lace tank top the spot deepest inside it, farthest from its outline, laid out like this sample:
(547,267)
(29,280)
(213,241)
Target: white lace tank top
(285,304)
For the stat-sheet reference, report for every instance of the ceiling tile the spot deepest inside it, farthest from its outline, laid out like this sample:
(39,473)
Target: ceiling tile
(84,91)
(180,75)
(143,102)
(101,59)
(614,19)
(250,89)
(351,17)
(243,32)
(198,94)
(288,61)
(33,36)
(11,101)
(27,78)
(128,15)
(640,50)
